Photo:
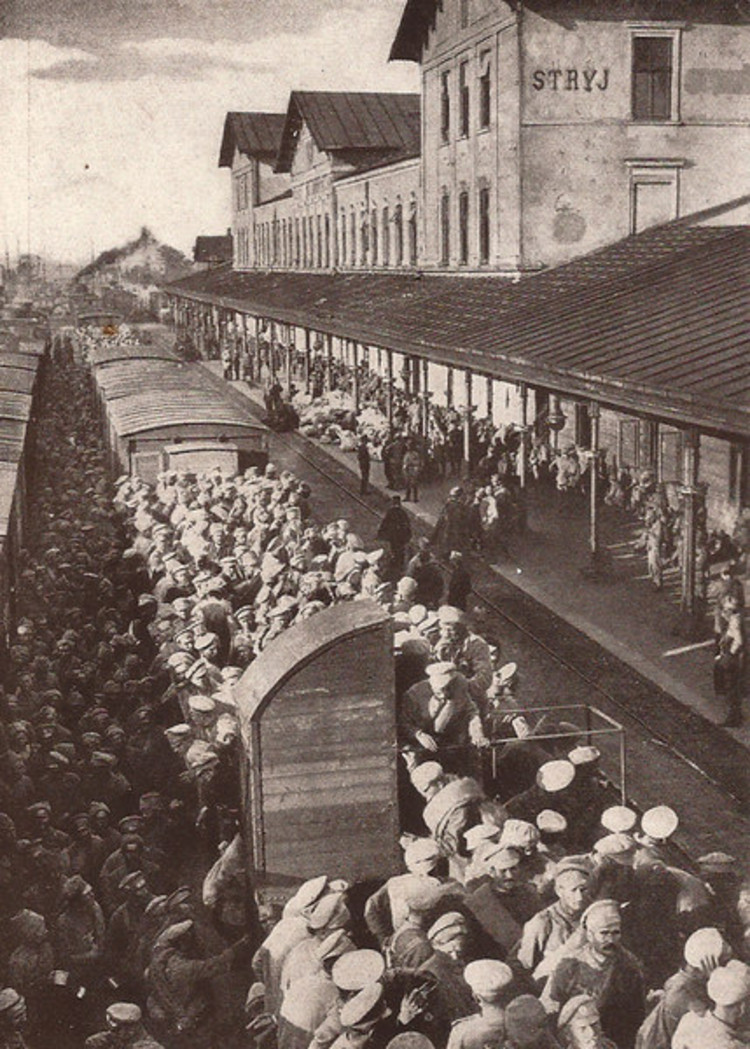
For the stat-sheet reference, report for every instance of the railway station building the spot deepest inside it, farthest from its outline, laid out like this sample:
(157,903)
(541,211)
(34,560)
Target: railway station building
(554,232)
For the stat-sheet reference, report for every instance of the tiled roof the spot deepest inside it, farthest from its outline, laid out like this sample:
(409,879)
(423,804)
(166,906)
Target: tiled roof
(385,124)
(658,322)
(254,134)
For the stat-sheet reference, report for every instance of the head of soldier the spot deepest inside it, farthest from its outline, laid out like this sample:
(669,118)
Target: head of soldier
(12,1010)
(579,1023)
(123,1021)
(571,889)
(453,625)
(603,926)
(728,988)
(450,935)
(489,981)
(504,867)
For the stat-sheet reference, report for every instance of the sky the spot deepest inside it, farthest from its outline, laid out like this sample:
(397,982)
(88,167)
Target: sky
(113,109)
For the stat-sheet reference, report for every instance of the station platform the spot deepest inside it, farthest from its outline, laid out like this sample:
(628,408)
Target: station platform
(620,609)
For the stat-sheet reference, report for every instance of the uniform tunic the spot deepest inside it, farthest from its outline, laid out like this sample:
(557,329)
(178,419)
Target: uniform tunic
(478,1032)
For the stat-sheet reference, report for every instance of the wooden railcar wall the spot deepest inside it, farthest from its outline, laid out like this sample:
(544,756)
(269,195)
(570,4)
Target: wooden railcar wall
(328,764)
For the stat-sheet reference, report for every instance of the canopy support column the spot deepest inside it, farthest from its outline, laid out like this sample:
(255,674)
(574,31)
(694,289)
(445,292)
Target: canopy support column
(690,495)
(467,421)
(523,448)
(355,373)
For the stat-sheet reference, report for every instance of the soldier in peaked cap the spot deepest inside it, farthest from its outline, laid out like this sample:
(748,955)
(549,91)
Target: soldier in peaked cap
(308,1001)
(386,909)
(602,968)
(438,716)
(452,946)
(579,1025)
(686,991)
(410,946)
(291,930)
(545,933)
(324,917)
(489,981)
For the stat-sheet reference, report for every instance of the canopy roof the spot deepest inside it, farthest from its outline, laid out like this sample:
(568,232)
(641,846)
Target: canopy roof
(656,323)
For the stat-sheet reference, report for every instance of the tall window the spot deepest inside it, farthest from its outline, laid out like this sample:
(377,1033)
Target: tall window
(463,99)
(463,227)
(364,238)
(445,229)
(242,196)
(319,235)
(445,106)
(413,234)
(353,238)
(374,237)
(386,238)
(297,254)
(652,77)
(398,236)
(484,224)
(485,89)
(304,241)
(344,256)
(327,243)
(464,13)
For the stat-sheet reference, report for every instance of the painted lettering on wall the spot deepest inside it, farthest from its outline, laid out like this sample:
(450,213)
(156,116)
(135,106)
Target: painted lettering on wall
(570,79)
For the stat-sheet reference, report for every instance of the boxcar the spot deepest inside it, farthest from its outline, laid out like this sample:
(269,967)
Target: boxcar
(317,718)
(151,401)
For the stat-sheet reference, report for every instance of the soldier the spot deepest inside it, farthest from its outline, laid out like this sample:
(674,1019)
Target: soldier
(602,968)
(488,981)
(177,979)
(13,1019)
(546,932)
(722,1026)
(125,1030)
(579,1025)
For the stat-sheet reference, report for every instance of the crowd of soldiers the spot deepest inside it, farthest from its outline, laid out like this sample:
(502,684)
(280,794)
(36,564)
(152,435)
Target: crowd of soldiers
(533,912)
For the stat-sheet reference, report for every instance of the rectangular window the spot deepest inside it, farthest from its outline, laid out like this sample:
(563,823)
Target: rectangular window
(353,238)
(463,228)
(484,224)
(398,236)
(445,229)
(386,238)
(445,106)
(463,94)
(485,89)
(464,13)
(343,238)
(374,237)
(652,77)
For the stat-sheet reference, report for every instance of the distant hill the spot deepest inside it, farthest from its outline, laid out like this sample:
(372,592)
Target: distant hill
(143,261)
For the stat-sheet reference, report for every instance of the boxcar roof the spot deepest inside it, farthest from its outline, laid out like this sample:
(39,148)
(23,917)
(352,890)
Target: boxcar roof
(17,380)
(8,475)
(14,405)
(122,378)
(153,409)
(18,359)
(104,353)
(297,645)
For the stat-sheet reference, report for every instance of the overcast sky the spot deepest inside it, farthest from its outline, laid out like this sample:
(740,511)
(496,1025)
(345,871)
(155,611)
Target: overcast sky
(113,109)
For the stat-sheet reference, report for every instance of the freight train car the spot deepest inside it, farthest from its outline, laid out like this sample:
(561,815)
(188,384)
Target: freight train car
(318,724)
(160,413)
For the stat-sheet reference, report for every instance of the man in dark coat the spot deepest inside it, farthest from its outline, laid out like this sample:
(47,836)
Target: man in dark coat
(363,461)
(395,529)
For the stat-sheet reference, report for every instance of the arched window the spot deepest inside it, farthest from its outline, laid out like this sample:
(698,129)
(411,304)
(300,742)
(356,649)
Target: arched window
(398,236)
(413,233)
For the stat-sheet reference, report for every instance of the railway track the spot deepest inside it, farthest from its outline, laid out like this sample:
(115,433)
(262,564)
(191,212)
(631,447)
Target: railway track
(674,754)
